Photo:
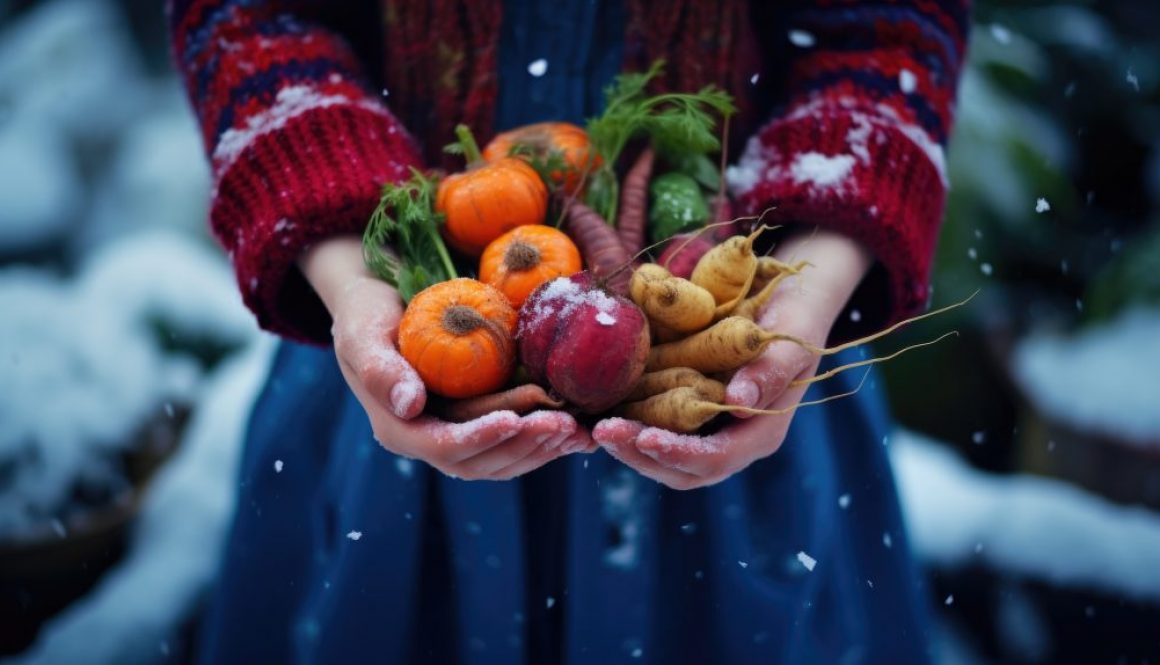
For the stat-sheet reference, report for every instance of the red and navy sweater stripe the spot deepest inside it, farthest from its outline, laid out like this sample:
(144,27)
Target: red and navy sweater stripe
(301,141)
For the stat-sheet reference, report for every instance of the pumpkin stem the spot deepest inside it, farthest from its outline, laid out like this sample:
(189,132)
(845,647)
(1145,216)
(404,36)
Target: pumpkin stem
(461,320)
(521,256)
(470,147)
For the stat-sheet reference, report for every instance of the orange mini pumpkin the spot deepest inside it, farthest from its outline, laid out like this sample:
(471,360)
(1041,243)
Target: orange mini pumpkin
(542,138)
(488,199)
(459,335)
(525,257)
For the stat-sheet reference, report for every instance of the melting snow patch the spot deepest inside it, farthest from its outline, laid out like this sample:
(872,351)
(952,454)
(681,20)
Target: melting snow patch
(820,170)
(806,560)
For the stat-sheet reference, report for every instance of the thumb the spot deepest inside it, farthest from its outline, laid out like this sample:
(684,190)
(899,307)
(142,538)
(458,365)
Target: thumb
(758,384)
(364,340)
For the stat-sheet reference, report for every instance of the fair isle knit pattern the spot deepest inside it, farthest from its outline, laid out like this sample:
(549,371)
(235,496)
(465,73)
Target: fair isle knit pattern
(300,143)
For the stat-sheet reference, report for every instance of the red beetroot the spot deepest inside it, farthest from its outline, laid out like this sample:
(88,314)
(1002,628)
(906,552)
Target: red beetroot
(682,252)
(588,345)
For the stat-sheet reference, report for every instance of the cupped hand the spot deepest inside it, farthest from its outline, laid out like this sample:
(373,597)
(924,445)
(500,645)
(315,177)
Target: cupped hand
(805,307)
(366,313)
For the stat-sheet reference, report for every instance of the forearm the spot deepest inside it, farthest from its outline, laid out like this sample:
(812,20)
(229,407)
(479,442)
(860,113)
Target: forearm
(332,266)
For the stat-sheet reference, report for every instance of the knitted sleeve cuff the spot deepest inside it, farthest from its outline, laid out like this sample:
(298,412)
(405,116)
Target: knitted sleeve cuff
(311,172)
(859,171)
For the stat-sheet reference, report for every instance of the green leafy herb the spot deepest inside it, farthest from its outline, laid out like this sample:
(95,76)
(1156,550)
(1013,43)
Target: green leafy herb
(406,220)
(679,125)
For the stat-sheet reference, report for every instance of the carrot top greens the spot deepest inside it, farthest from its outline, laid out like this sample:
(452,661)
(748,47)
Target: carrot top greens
(678,125)
(405,218)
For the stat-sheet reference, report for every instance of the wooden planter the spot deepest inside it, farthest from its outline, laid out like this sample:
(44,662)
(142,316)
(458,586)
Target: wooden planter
(46,570)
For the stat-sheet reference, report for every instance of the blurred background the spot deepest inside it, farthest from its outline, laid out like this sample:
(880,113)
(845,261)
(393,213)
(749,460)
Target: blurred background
(1027,451)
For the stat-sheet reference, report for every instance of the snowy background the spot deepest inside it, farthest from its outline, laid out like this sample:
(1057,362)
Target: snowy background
(1029,464)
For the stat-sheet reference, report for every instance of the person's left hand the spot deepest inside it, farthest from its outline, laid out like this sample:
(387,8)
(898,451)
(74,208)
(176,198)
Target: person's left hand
(805,306)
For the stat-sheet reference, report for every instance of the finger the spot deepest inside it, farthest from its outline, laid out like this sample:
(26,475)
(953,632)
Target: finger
(541,456)
(702,456)
(616,436)
(759,383)
(377,372)
(541,429)
(447,444)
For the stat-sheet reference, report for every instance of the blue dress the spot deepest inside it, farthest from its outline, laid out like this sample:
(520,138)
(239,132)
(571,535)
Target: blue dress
(351,554)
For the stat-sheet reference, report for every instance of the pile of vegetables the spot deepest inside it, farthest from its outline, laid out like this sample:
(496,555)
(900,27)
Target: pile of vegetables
(655,342)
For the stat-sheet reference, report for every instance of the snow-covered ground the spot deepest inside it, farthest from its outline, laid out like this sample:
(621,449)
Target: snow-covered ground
(1024,526)
(1102,380)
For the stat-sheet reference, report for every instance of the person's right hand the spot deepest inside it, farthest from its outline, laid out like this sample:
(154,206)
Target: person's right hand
(366,313)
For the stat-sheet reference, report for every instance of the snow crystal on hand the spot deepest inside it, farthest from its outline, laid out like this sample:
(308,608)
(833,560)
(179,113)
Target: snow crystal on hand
(806,560)
(801,38)
(1041,205)
(354,535)
(538,67)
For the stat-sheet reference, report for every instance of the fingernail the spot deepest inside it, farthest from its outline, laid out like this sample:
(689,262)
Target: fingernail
(403,397)
(743,392)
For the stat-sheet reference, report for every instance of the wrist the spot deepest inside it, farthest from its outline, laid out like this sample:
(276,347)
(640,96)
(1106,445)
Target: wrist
(332,266)
(838,263)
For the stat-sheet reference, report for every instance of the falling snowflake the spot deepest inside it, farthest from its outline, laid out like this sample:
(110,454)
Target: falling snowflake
(538,67)
(753,79)
(855,315)
(404,466)
(844,501)
(1132,80)
(354,535)
(549,602)
(986,269)
(806,560)
(801,38)
(743,564)
(950,599)
(887,540)
(978,438)
(637,652)
(907,81)
(277,466)
(1001,34)
(1041,205)
(689,528)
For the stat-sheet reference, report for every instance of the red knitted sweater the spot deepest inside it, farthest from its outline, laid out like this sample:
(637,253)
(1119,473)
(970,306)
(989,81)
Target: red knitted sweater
(300,142)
